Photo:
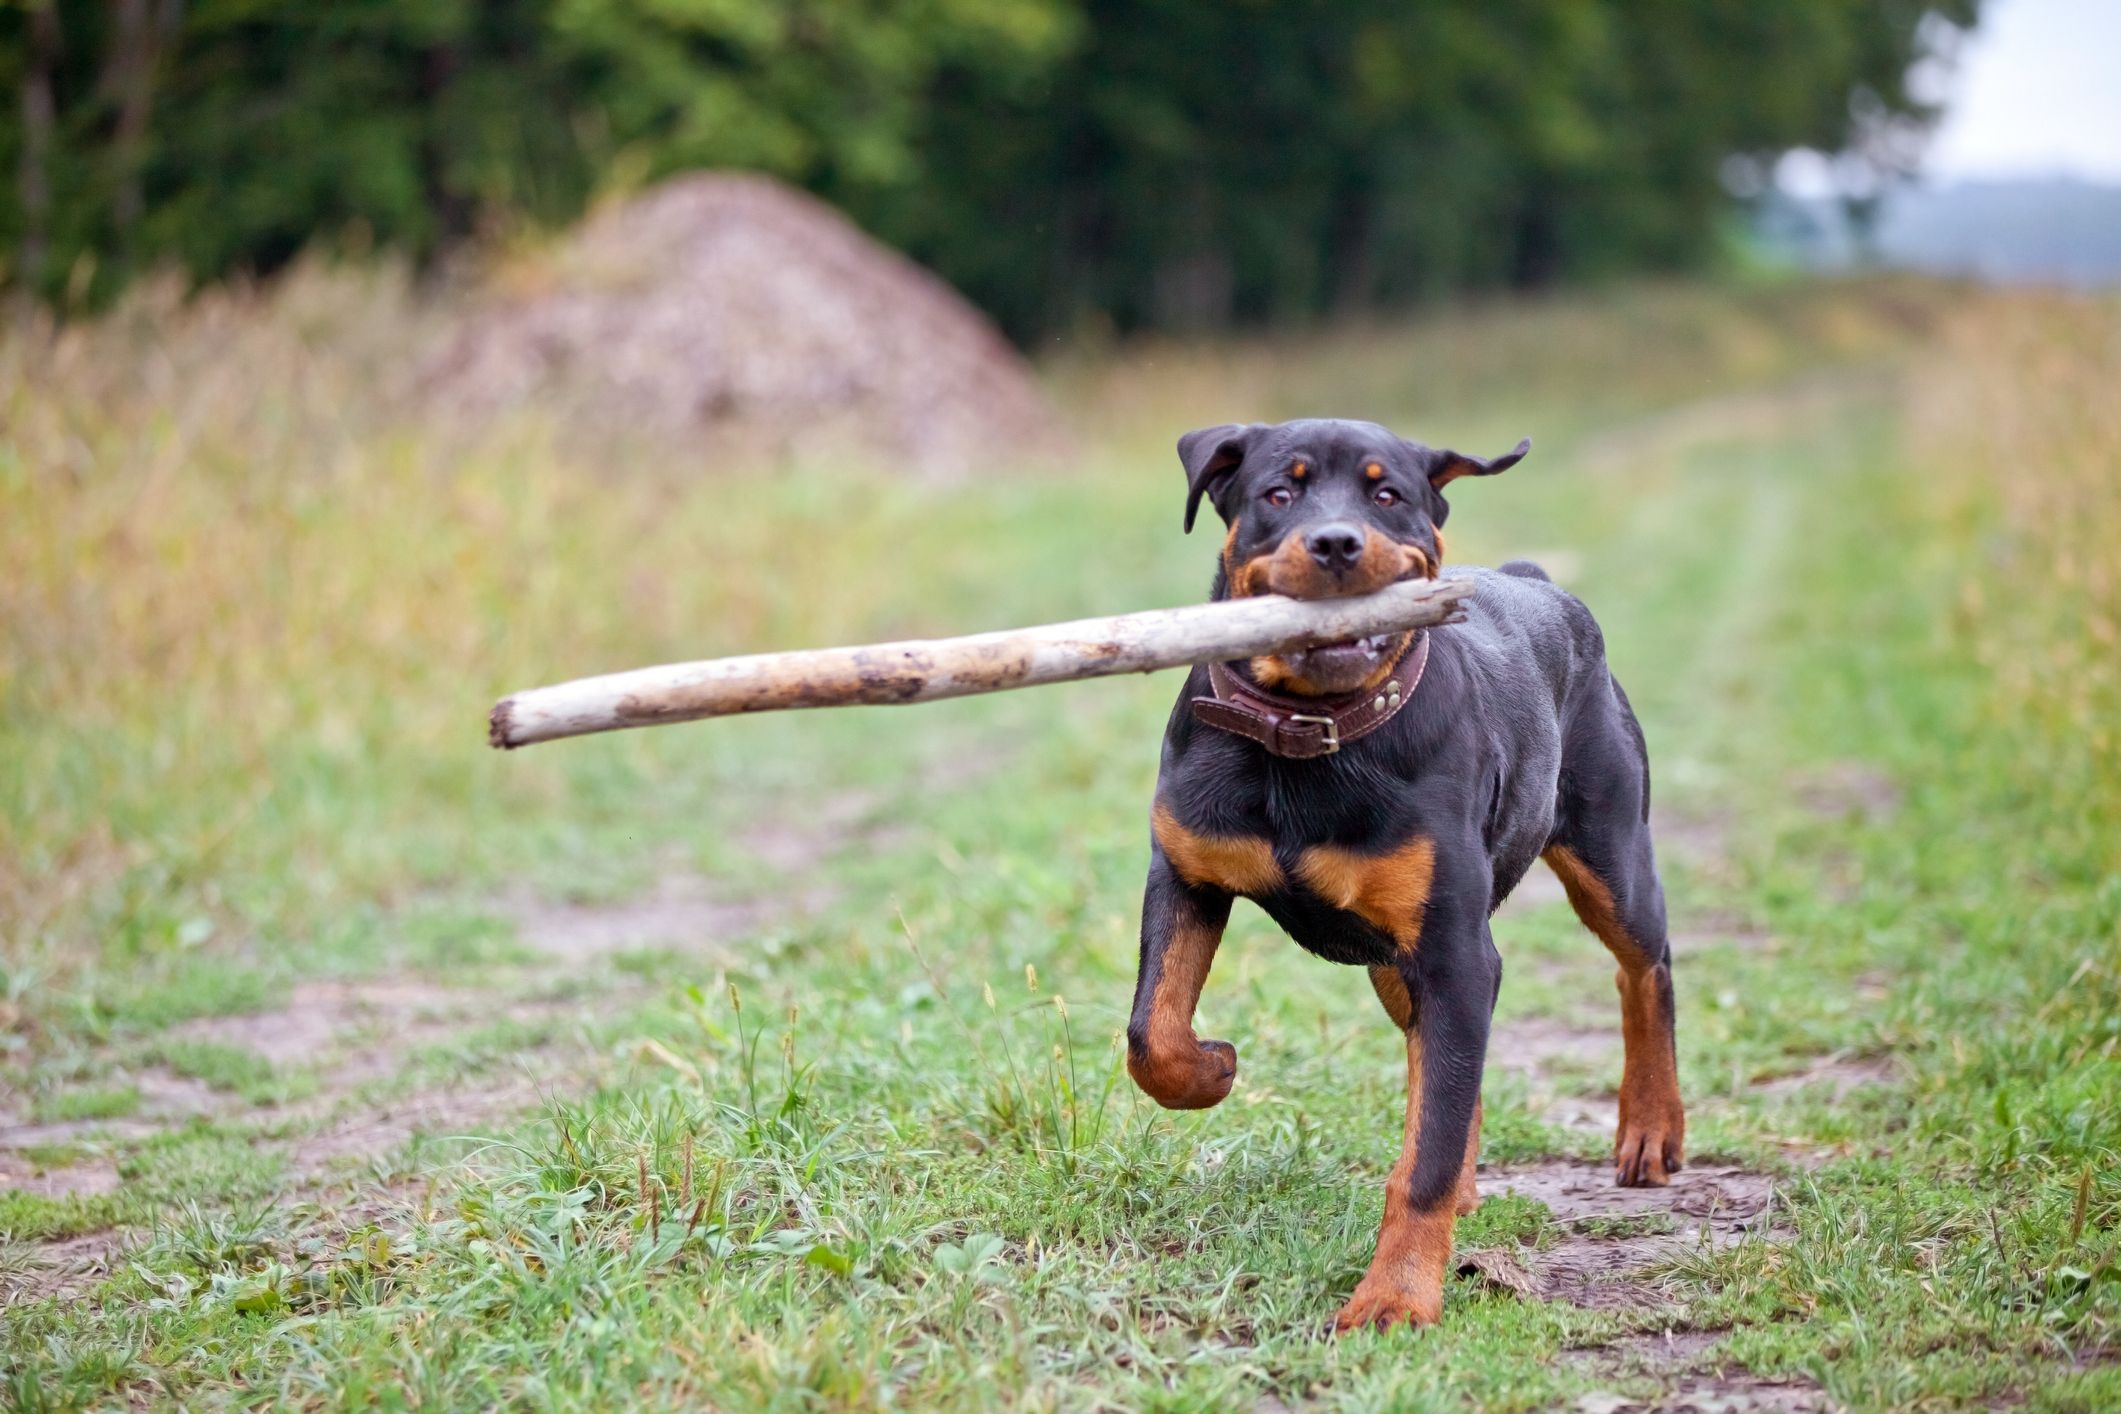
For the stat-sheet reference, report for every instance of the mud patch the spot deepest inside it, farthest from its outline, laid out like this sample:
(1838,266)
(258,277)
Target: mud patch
(1740,1393)
(1710,1392)
(1617,1236)
(75,1180)
(456,1111)
(1736,1393)
(34,1271)
(683,912)
(1723,1201)
(1549,1055)
(1655,1351)
(1834,1077)
(1616,1239)
(1532,1045)
(320,1017)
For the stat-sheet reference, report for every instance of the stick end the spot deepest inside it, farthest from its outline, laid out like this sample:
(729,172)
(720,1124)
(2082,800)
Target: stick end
(500,725)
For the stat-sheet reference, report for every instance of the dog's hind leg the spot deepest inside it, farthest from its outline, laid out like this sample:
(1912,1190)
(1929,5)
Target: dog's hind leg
(1601,852)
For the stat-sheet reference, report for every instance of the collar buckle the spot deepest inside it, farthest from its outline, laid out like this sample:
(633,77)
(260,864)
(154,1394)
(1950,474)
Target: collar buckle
(1331,740)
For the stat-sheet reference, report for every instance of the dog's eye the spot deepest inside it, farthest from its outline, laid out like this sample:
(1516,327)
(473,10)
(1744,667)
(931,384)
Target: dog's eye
(1386,496)
(1279,496)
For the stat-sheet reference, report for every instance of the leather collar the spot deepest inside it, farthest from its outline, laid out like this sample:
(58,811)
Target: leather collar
(1304,727)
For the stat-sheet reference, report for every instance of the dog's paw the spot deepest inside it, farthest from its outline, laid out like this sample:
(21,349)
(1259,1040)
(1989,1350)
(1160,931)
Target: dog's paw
(1380,1305)
(1646,1153)
(1179,1081)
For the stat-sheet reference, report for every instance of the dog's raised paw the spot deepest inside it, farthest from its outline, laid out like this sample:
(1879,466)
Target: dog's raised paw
(1181,1081)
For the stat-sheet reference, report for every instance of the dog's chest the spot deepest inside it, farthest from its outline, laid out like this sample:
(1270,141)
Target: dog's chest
(1349,904)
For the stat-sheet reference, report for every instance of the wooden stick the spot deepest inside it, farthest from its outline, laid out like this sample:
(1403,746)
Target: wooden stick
(923,670)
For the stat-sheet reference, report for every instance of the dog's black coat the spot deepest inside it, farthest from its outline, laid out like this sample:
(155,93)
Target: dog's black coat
(1511,696)
(1517,741)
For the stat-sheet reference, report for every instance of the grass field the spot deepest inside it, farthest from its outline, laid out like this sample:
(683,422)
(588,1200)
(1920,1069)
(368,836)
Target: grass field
(773,1064)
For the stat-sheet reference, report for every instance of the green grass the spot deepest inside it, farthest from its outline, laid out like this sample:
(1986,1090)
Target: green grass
(86,1102)
(232,1068)
(880,1150)
(28,1216)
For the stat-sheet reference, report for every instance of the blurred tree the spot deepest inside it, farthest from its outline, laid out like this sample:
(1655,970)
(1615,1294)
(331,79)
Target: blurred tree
(224,135)
(1189,164)
(1182,164)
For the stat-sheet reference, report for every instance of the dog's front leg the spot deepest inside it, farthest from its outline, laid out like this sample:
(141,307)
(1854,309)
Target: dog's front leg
(1449,983)
(1181,926)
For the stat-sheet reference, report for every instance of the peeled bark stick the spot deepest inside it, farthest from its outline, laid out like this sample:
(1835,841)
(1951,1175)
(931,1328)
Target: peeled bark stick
(923,670)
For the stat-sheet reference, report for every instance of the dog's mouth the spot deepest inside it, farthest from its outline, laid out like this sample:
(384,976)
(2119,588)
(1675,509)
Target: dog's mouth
(1340,667)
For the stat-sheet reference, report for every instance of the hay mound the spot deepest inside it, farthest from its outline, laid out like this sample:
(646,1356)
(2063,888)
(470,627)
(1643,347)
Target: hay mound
(743,318)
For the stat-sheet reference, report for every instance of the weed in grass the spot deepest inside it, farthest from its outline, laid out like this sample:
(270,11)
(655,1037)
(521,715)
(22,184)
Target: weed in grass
(197,1240)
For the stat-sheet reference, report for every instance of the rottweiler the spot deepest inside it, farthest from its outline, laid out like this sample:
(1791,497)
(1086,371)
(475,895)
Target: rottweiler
(1380,798)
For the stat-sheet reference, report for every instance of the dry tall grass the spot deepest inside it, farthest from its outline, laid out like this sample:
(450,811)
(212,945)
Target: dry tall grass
(250,612)
(2017,413)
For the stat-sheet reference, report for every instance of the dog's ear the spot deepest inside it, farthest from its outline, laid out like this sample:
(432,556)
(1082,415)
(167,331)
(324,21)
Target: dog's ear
(1446,467)
(1211,453)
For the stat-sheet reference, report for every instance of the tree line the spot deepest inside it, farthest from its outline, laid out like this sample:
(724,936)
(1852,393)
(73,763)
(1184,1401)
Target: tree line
(1174,164)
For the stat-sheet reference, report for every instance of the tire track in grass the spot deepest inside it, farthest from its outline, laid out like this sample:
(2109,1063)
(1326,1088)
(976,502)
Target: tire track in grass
(360,1040)
(1615,1243)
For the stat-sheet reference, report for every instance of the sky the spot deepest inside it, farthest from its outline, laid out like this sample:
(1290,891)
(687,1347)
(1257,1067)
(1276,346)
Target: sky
(2036,92)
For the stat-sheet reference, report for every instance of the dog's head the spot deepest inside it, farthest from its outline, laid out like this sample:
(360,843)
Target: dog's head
(1321,508)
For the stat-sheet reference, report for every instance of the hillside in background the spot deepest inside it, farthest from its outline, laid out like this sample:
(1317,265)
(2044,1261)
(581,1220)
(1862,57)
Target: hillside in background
(2021,232)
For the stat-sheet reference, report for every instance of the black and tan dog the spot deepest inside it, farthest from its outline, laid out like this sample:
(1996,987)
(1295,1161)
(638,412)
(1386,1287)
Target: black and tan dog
(1380,798)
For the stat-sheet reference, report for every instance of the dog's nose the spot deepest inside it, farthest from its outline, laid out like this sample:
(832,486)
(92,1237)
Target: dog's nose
(1335,547)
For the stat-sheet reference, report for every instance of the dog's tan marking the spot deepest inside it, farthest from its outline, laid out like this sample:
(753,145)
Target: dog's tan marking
(1172,1065)
(1374,470)
(1299,471)
(1440,551)
(1651,1140)
(1391,989)
(1290,569)
(1388,891)
(1240,864)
